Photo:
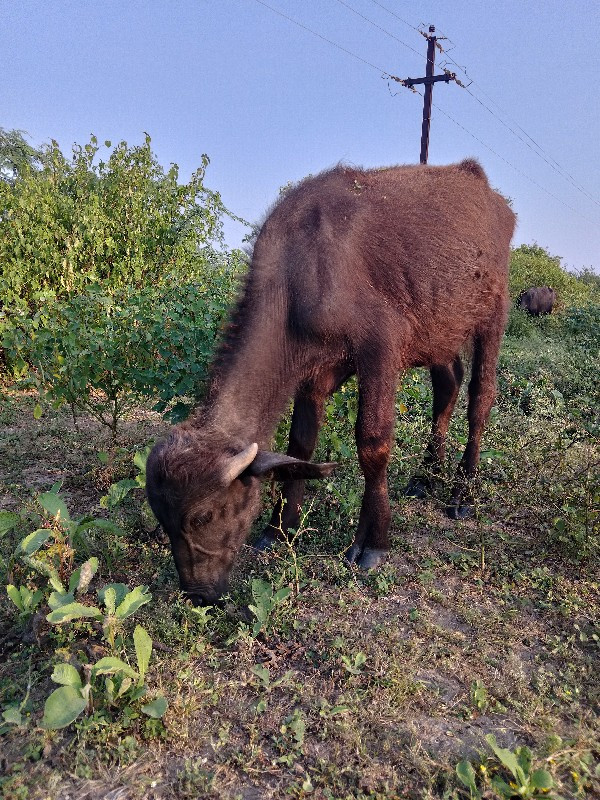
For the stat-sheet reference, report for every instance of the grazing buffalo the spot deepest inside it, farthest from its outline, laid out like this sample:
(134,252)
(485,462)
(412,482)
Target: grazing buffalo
(538,300)
(365,272)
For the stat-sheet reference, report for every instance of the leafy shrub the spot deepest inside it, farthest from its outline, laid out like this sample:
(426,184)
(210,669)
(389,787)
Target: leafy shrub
(48,554)
(584,323)
(103,353)
(531,265)
(79,221)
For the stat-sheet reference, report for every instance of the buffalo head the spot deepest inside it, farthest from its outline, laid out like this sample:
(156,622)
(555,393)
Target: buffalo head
(206,493)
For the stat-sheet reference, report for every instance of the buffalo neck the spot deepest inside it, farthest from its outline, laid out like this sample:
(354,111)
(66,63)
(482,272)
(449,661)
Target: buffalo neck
(257,377)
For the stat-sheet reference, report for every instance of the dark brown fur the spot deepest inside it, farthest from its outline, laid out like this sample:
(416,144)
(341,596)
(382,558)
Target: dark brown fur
(538,300)
(354,271)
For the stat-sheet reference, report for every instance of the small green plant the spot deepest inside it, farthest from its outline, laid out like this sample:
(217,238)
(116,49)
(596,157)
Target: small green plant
(24,599)
(479,696)
(354,665)
(107,682)
(110,682)
(521,781)
(267,602)
(291,741)
(118,491)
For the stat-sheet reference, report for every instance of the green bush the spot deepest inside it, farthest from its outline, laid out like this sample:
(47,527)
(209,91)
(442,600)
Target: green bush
(71,223)
(104,353)
(531,265)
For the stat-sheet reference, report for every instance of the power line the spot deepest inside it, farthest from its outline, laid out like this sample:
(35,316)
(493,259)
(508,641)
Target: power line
(512,166)
(540,152)
(375,25)
(393,13)
(325,39)
(388,75)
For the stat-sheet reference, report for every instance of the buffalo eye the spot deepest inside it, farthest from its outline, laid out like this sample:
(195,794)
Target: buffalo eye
(202,519)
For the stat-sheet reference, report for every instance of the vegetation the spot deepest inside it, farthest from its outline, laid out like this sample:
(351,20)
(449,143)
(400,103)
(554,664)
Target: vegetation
(465,668)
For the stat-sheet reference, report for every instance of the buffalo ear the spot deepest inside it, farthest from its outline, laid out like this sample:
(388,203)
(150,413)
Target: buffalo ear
(287,468)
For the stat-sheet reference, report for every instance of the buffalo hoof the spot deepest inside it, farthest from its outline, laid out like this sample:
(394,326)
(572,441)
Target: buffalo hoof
(418,488)
(264,543)
(352,554)
(367,557)
(460,512)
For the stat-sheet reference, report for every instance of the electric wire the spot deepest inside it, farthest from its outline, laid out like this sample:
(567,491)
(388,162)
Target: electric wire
(388,75)
(512,166)
(393,13)
(375,25)
(325,39)
(540,152)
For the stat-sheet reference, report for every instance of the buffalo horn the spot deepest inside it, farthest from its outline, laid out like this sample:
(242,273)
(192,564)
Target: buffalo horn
(236,465)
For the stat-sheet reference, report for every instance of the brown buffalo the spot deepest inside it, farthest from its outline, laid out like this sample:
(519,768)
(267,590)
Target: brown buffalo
(538,300)
(365,272)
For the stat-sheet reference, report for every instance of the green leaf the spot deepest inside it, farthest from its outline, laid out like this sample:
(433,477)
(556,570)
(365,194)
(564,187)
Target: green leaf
(62,708)
(523,755)
(466,775)
(502,788)
(117,492)
(35,540)
(132,601)
(12,715)
(55,583)
(120,592)
(58,599)
(110,664)
(8,520)
(140,459)
(67,675)
(15,596)
(110,600)
(262,673)
(540,779)
(156,708)
(282,594)
(143,649)
(37,411)
(506,757)
(54,506)
(72,611)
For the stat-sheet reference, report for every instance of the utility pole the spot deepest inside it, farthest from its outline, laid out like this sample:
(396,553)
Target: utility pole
(428,80)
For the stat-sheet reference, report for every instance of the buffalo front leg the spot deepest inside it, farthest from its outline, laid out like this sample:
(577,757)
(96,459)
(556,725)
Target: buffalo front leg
(482,392)
(306,421)
(374,430)
(446,381)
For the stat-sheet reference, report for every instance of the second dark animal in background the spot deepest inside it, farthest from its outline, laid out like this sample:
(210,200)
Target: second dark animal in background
(365,272)
(538,300)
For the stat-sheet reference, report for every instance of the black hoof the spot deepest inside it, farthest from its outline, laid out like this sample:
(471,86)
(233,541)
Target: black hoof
(365,558)
(460,512)
(418,488)
(352,554)
(264,543)
(370,559)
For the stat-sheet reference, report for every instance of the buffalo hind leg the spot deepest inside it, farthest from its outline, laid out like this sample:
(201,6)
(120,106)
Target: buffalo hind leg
(374,431)
(482,393)
(446,381)
(307,417)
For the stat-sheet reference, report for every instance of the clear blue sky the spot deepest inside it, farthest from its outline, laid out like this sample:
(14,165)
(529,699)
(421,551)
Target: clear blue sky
(270,102)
